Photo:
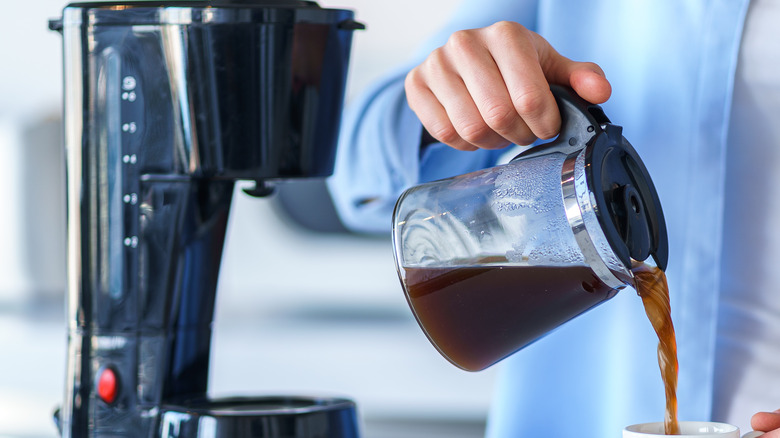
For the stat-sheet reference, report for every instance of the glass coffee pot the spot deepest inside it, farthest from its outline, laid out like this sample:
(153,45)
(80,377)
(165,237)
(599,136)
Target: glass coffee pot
(493,260)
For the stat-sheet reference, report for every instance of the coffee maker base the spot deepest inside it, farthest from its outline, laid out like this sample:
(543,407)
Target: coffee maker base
(260,417)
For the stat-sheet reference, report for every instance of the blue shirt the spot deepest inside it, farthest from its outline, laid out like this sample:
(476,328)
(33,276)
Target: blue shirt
(671,65)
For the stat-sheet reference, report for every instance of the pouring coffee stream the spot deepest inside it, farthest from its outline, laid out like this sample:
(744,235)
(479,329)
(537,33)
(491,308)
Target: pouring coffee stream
(494,260)
(651,285)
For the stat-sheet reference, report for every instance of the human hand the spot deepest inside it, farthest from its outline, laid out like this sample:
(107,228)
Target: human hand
(489,87)
(768,422)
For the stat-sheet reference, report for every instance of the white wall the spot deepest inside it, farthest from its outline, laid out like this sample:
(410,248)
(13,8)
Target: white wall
(30,56)
(393,30)
(30,90)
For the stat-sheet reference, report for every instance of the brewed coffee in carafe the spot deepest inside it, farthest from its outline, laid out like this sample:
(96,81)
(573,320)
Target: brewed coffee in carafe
(493,260)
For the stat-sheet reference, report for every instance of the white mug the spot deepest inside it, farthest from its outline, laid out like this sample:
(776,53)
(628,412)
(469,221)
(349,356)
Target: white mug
(688,429)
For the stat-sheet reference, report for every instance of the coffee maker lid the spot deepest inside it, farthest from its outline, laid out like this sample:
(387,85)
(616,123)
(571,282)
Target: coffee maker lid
(627,204)
(201,3)
(204,12)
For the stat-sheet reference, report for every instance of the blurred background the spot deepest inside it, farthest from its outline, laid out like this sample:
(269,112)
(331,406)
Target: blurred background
(299,311)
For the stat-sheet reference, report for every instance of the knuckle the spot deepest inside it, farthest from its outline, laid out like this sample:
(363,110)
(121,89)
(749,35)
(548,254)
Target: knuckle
(463,146)
(475,132)
(436,63)
(504,28)
(413,80)
(500,117)
(546,132)
(437,56)
(523,135)
(445,133)
(460,41)
(527,139)
(530,103)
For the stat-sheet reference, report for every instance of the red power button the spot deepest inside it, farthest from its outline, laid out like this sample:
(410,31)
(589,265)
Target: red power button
(107,387)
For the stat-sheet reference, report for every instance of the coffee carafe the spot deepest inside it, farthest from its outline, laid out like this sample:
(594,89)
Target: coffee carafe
(493,260)
(166,105)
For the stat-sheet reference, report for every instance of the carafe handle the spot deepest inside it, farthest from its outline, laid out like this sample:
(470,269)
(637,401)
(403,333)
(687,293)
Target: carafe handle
(580,121)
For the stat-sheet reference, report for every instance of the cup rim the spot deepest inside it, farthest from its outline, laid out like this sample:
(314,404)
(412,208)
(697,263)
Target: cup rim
(713,427)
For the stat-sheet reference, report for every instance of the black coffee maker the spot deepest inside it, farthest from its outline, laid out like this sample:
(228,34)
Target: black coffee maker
(166,105)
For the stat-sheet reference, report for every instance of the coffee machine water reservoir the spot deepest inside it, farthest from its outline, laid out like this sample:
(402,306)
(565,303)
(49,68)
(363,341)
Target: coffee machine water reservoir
(166,105)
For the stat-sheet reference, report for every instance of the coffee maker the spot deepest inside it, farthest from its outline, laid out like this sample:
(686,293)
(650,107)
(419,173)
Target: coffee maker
(166,105)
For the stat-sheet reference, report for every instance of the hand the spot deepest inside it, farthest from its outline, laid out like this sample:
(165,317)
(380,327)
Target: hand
(489,87)
(768,422)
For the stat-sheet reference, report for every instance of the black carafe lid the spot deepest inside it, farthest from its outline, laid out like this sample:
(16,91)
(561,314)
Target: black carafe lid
(627,203)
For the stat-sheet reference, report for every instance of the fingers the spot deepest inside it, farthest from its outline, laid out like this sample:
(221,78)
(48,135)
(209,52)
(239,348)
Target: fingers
(489,87)
(516,54)
(463,80)
(766,421)
(432,114)
(468,124)
(486,86)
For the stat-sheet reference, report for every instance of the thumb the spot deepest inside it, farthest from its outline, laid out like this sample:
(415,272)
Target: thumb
(586,78)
